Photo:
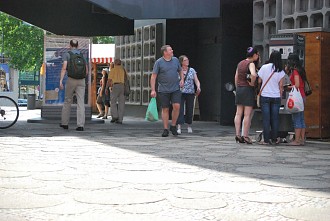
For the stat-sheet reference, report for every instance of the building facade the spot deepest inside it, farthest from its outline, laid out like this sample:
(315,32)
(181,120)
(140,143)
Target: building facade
(310,19)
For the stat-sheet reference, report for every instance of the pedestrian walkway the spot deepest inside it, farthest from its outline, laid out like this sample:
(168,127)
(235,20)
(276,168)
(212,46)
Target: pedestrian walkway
(129,172)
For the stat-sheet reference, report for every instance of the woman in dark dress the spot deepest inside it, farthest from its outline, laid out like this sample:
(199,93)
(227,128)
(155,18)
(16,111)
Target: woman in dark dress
(245,94)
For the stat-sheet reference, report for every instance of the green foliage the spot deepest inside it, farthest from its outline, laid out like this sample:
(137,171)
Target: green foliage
(103,40)
(22,43)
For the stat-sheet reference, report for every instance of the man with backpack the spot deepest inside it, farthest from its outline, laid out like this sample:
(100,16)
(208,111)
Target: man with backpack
(75,65)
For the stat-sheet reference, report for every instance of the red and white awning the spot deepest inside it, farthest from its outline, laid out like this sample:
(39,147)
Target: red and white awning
(102,60)
(102,53)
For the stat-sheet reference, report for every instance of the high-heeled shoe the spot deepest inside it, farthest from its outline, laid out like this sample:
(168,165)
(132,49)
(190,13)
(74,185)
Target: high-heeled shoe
(239,139)
(247,140)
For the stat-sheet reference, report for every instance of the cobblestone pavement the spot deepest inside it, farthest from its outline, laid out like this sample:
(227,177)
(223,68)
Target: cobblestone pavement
(128,172)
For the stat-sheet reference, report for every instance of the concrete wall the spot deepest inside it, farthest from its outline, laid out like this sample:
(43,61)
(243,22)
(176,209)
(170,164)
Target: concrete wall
(236,38)
(214,47)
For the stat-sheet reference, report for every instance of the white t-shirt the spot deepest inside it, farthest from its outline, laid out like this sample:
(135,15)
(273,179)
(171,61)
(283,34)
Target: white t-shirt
(272,88)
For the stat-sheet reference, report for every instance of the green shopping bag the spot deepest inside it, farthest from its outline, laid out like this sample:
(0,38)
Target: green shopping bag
(152,112)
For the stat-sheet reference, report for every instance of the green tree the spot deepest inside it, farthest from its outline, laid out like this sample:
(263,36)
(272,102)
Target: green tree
(21,43)
(103,40)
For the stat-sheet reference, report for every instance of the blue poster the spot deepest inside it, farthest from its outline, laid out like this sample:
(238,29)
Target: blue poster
(4,78)
(53,95)
(53,73)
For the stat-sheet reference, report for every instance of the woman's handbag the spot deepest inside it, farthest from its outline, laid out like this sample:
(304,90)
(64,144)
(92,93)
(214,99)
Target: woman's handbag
(152,112)
(295,102)
(127,88)
(263,86)
(307,88)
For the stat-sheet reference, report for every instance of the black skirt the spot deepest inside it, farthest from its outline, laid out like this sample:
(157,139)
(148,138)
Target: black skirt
(245,96)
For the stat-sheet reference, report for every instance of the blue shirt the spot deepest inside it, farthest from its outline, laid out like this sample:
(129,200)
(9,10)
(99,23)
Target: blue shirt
(188,87)
(167,74)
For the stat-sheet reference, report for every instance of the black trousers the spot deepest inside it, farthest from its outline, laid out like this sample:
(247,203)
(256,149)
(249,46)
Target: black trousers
(187,103)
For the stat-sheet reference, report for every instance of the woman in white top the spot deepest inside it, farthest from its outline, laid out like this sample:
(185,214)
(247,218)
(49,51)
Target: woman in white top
(271,94)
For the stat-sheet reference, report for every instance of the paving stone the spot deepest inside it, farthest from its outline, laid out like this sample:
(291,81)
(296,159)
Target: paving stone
(256,155)
(149,208)
(129,172)
(185,169)
(31,167)
(20,183)
(293,160)
(154,177)
(198,204)
(118,197)
(12,174)
(316,162)
(155,186)
(51,190)
(10,217)
(287,155)
(297,183)
(280,171)
(91,184)
(52,177)
(307,213)
(135,143)
(27,201)
(264,197)
(326,152)
(319,156)
(235,216)
(321,194)
(68,209)
(186,194)
(125,217)
(241,179)
(223,187)
(261,159)
(138,167)
(230,160)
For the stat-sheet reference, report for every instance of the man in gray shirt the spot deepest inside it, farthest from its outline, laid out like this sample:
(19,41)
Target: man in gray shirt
(168,72)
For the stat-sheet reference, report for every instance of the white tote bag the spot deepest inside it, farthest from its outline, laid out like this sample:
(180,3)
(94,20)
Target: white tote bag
(295,102)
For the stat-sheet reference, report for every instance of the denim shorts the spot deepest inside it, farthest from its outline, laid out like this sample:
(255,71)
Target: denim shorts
(298,120)
(166,99)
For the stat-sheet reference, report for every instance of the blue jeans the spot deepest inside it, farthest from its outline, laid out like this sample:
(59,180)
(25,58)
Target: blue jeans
(270,108)
(187,100)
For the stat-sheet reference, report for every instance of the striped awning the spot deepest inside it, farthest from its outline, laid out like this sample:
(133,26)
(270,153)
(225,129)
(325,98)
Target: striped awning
(102,60)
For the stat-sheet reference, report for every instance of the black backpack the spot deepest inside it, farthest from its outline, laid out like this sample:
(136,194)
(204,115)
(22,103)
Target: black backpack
(76,66)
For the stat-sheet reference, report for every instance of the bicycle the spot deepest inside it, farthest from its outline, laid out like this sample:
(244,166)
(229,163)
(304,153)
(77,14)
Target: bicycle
(9,112)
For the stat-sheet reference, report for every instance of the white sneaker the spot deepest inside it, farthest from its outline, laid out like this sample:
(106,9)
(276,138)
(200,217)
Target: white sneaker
(189,130)
(179,131)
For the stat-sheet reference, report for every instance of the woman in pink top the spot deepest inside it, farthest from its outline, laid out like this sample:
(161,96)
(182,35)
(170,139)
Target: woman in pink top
(297,77)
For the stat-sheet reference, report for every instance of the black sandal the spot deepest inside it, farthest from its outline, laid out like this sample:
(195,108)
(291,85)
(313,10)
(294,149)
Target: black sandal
(247,140)
(239,139)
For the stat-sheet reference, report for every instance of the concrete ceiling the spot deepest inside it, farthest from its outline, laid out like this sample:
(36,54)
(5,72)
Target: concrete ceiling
(104,17)
(68,17)
(162,9)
